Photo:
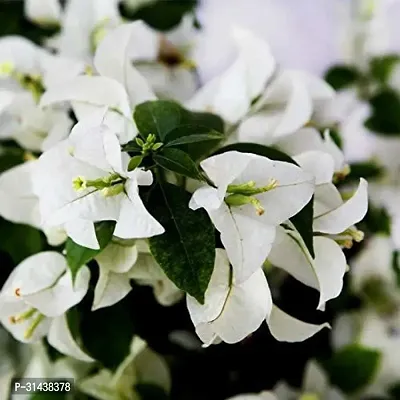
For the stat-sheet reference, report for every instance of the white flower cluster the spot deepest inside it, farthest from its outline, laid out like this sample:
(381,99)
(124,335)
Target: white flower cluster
(96,77)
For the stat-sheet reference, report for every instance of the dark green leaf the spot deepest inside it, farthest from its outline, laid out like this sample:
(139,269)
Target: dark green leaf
(178,161)
(19,241)
(187,134)
(385,117)
(161,15)
(366,169)
(209,120)
(107,333)
(10,157)
(377,220)
(382,67)
(134,162)
(342,76)
(395,391)
(186,251)
(353,367)
(158,117)
(78,255)
(132,147)
(303,220)
(396,267)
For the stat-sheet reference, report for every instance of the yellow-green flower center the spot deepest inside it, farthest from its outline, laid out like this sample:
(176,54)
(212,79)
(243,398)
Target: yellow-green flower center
(110,185)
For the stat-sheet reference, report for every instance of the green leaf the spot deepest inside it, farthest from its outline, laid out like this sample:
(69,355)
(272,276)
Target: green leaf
(157,117)
(107,333)
(212,121)
(385,117)
(303,221)
(134,162)
(187,134)
(342,76)
(382,67)
(78,256)
(178,161)
(186,251)
(353,367)
(377,221)
(19,241)
(10,157)
(161,15)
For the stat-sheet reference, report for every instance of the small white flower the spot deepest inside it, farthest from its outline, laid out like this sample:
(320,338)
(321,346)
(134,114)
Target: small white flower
(84,180)
(287,104)
(233,310)
(315,386)
(253,195)
(26,71)
(33,304)
(230,94)
(142,365)
(43,12)
(333,222)
(147,272)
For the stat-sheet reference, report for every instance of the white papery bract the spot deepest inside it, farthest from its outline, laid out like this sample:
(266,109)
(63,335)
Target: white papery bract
(85,180)
(315,386)
(43,12)
(253,195)
(333,222)
(232,310)
(36,296)
(19,204)
(141,366)
(26,70)
(287,104)
(119,263)
(231,94)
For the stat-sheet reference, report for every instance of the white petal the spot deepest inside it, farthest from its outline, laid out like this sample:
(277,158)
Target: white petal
(19,329)
(27,279)
(246,240)
(134,221)
(147,272)
(320,165)
(327,197)
(61,127)
(286,328)
(247,306)
(216,293)
(324,273)
(56,300)
(206,197)
(331,147)
(341,218)
(83,233)
(317,87)
(294,189)
(112,60)
(110,289)
(22,53)
(290,254)
(330,267)
(315,380)
(18,203)
(223,168)
(43,12)
(95,90)
(117,258)
(62,340)
(88,139)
